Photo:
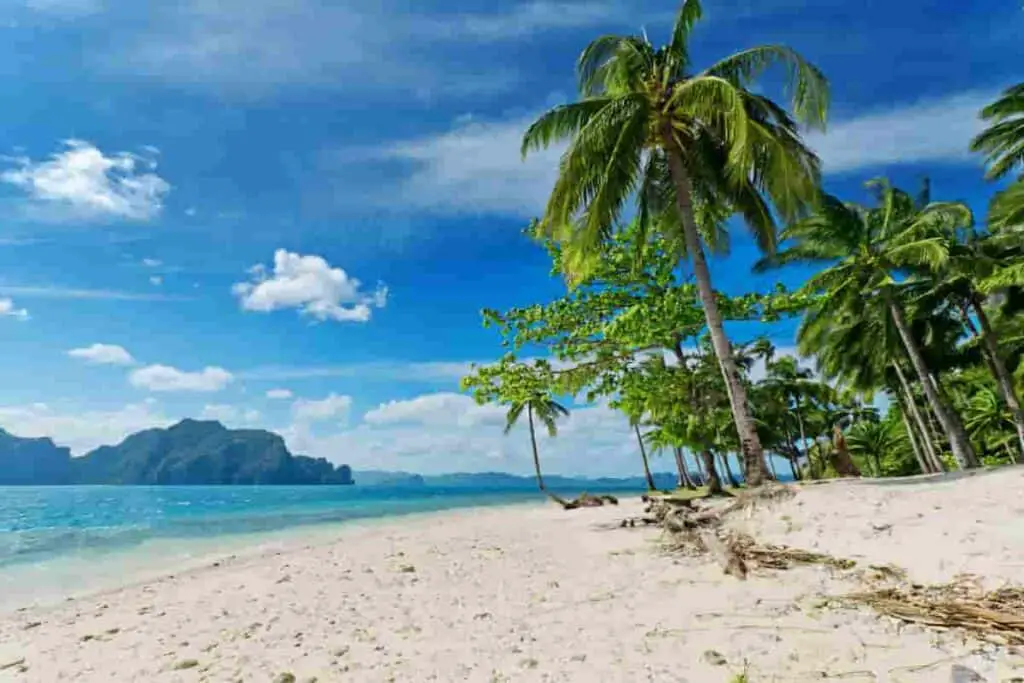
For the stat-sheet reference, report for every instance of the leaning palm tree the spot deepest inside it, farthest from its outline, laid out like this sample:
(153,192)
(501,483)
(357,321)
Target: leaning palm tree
(547,410)
(867,251)
(689,147)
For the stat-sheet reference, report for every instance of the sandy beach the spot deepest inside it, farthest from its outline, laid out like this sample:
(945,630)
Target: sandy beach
(535,593)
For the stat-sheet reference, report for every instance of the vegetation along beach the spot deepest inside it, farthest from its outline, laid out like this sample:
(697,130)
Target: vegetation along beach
(754,359)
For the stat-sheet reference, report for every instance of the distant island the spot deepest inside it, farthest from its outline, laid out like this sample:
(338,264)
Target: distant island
(191,452)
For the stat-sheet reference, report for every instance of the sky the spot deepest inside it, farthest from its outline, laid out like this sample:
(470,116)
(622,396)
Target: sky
(288,215)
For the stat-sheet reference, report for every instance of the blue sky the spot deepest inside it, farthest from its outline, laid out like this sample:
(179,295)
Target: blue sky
(203,202)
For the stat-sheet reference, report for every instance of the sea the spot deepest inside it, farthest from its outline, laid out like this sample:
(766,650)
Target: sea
(61,541)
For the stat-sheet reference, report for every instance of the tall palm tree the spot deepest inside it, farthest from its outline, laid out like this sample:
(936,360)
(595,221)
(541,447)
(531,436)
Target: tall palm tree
(866,251)
(547,410)
(651,486)
(689,146)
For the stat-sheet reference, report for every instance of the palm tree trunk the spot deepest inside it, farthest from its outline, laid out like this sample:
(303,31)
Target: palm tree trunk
(803,436)
(928,446)
(1003,379)
(723,461)
(643,454)
(714,481)
(792,456)
(755,471)
(951,424)
(533,442)
(684,477)
(921,462)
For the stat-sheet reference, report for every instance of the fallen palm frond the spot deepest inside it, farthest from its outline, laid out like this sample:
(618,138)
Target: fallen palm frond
(995,616)
(780,556)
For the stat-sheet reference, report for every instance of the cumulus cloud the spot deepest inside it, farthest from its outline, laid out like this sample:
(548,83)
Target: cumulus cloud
(439,409)
(438,433)
(80,182)
(166,378)
(156,280)
(9,310)
(82,430)
(311,285)
(279,394)
(103,354)
(152,262)
(333,407)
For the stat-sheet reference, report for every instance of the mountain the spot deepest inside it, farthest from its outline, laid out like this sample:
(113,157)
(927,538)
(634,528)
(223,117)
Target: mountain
(192,452)
(32,461)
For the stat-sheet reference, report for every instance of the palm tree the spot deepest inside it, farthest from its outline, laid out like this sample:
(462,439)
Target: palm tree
(866,251)
(1002,143)
(987,417)
(871,440)
(651,486)
(690,147)
(547,410)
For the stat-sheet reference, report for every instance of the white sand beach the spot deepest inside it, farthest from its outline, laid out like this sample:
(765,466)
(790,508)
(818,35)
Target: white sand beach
(535,593)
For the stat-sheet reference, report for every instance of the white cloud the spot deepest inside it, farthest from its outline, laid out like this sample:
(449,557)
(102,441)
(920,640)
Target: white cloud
(438,409)
(152,262)
(333,407)
(7,309)
(311,285)
(439,433)
(254,46)
(95,294)
(156,280)
(475,167)
(411,371)
(103,354)
(230,415)
(166,378)
(82,430)
(935,130)
(279,394)
(82,183)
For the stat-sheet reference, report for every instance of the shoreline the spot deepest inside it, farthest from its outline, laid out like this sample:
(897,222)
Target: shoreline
(529,592)
(242,546)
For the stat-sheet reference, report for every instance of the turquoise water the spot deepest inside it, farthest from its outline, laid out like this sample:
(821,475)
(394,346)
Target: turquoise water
(41,523)
(61,541)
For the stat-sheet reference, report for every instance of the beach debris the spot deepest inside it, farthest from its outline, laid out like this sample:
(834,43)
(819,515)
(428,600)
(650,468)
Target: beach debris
(185,664)
(32,624)
(17,663)
(995,616)
(584,500)
(341,651)
(714,658)
(285,677)
(407,569)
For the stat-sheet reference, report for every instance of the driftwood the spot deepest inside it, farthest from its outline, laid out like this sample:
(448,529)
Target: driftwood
(584,500)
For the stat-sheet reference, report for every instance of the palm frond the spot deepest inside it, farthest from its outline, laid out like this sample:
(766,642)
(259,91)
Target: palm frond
(514,413)
(807,85)
(561,122)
